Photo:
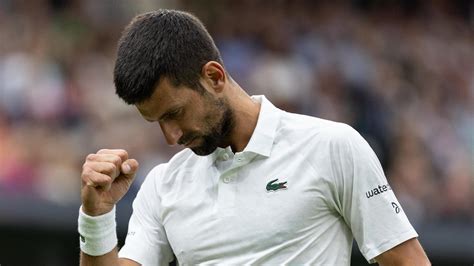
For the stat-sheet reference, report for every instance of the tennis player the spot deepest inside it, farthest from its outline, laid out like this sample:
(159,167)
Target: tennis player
(255,184)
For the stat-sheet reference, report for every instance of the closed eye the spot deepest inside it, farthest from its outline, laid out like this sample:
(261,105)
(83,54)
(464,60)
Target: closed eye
(173,114)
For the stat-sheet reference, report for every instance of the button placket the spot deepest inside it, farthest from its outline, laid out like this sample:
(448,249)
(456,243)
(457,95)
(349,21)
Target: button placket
(226,194)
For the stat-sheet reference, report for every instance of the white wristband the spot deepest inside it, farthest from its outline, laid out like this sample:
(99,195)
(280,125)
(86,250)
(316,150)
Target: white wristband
(98,234)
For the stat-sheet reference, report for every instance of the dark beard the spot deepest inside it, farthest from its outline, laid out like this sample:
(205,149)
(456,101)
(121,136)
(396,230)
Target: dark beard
(219,133)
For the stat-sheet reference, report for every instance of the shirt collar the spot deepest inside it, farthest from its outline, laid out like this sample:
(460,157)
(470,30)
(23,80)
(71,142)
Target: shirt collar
(263,136)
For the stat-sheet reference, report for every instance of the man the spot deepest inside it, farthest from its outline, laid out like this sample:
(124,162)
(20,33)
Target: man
(256,185)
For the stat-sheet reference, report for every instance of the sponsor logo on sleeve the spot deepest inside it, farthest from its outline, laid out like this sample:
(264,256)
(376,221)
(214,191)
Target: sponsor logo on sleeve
(377,191)
(396,207)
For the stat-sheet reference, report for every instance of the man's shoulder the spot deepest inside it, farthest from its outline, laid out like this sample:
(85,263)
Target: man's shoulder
(314,137)
(293,123)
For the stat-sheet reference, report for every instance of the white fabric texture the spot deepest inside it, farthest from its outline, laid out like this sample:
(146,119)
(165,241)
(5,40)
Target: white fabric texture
(225,209)
(98,234)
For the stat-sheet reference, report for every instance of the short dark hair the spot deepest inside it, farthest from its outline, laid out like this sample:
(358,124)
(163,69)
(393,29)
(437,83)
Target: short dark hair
(163,43)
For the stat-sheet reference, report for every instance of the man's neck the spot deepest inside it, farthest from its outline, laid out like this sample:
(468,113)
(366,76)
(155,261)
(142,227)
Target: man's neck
(246,112)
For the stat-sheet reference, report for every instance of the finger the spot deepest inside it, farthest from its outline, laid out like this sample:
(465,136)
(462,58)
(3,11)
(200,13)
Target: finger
(106,168)
(123,154)
(130,167)
(97,180)
(111,158)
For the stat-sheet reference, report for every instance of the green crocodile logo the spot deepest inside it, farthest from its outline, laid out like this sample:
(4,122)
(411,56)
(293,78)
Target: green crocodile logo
(272,186)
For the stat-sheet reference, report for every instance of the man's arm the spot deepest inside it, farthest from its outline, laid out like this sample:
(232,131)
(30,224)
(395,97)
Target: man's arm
(106,177)
(409,252)
(110,258)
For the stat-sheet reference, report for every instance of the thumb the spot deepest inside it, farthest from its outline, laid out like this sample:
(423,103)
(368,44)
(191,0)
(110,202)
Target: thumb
(129,167)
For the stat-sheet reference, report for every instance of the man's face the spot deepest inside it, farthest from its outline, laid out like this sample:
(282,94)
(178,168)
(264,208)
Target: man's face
(201,122)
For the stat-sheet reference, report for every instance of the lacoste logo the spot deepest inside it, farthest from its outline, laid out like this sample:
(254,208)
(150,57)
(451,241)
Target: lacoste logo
(272,186)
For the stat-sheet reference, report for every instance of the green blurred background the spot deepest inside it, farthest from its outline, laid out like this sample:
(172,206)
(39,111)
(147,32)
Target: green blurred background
(400,72)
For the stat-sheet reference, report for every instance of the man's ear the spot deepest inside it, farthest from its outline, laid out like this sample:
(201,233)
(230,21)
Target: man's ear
(214,75)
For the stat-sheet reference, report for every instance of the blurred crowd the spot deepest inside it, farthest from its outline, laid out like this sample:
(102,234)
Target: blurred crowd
(400,72)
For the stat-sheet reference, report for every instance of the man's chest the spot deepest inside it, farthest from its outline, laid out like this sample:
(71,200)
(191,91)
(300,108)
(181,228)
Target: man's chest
(220,211)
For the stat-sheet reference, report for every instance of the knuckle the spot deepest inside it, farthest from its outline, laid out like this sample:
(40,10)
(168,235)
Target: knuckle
(88,172)
(110,168)
(91,157)
(123,153)
(101,151)
(116,160)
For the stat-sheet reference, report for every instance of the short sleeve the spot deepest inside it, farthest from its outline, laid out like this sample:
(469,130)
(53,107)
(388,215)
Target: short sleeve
(146,241)
(364,197)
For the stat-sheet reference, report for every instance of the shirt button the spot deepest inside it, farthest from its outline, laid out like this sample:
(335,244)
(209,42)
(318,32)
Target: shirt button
(225,157)
(227,179)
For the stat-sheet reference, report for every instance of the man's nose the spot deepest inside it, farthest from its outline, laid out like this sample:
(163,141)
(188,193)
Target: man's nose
(172,132)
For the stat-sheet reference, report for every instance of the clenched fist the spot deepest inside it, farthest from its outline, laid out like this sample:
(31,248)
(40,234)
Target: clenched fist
(106,177)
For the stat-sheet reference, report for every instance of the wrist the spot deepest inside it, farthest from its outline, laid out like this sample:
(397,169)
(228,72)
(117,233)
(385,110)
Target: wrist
(98,234)
(94,212)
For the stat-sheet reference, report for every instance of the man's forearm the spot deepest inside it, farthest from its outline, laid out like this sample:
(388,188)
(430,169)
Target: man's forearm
(409,252)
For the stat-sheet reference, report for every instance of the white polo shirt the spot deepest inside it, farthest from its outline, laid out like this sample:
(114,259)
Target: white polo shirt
(299,193)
